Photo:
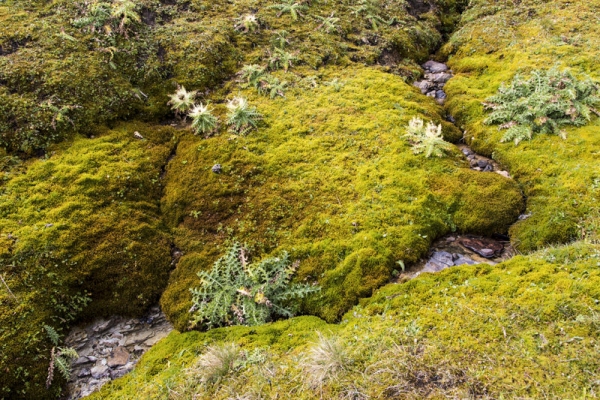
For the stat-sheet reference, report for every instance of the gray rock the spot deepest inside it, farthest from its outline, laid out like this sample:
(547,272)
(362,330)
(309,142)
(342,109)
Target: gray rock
(473,163)
(488,168)
(84,372)
(217,168)
(423,85)
(120,356)
(486,252)
(99,371)
(482,163)
(431,94)
(435,66)
(467,152)
(503,173)
(441,78)
(462,260)
(443,257)
(440,94)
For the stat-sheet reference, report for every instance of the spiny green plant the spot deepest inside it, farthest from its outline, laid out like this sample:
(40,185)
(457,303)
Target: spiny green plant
(124,11)
(252,74)
(328,24)
(369,10)
(272,87)
(543,103)
(60,357)
(335,84)
(203,120)
(181,101)
(292,7)
(247,23)
(281,59)
(96,18)
(241,118)
(280,39)
(427,139)
(236,292)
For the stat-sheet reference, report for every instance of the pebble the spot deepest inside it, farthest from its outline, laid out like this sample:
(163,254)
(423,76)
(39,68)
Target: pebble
(217,168)
(435,66)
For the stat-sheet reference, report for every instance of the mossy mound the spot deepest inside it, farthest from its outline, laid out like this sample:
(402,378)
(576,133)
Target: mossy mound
(65,69)
(80,236)
(559,177)
(329,178)
(525,328)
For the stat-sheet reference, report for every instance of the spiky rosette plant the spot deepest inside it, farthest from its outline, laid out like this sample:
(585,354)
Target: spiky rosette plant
(544,103)
(203,120)
(181,101)
(236,292)
(241,118)
(426,139)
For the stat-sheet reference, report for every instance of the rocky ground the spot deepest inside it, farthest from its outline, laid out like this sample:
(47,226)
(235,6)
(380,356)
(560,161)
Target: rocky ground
(110,348)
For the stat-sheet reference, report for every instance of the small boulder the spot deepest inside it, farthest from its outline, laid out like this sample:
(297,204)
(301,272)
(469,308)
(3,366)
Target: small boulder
(217,169)
(99,371)
(482,163)
(441,78)
(423,85)
(435,66)
(119,357)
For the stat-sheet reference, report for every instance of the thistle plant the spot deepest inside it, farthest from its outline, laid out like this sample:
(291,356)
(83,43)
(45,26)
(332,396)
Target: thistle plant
(281,59)
(369,10)
(272,87)
(181,101)
(60,357)
(290,6)
(280,39)
(544,103)
(427,139)
(124,11)
(237,292)
(203,120)
(247,23)
(241,118)
(328,24)
(253,75)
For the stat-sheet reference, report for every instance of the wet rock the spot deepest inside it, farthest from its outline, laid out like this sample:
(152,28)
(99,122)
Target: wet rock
(462,260)
(435,66)
(423,85)
(482,163)
(467,152)
(443,257)
(440,94)
(217,168)
(486,248)
(119,357)
(84,372)
(488,168)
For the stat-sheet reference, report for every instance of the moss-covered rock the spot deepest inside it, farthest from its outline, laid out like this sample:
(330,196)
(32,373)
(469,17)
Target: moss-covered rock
(80,236)
(524,328)
(558,176)
(329,178)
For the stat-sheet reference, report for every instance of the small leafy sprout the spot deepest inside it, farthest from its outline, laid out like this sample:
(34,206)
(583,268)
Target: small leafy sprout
(328,24)
(280,39)
(241,118)
(544,103)
(290,6)
(124,10)
(325,360)
(237,292)
(427,139)
(181,101)
(203,120)
(273,87)
(60,357)
(96,18)
(247,23)
(335,84)
(281,59)
(369,10)
(253,75)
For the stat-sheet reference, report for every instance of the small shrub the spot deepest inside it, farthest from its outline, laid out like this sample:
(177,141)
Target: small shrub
(252,75)
(241,118)
(543,103)
(235,292)
(326,359)
(203,120)
(181,101)
(328,24)
(426,139)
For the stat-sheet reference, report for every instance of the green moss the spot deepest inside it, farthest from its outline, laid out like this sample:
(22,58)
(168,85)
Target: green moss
(329,178)
(81,225)
(492,45)
(526,327)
